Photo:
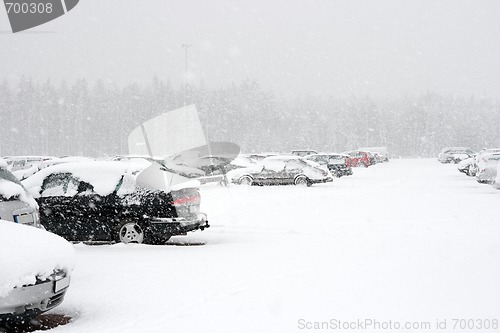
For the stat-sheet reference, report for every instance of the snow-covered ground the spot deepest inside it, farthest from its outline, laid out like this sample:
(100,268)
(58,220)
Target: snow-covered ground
(406,241)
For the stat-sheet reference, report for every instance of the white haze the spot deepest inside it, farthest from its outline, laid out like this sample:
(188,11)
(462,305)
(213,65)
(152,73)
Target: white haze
(375,48)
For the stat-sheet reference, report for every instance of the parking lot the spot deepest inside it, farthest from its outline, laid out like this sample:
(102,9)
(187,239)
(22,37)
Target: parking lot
(409,240)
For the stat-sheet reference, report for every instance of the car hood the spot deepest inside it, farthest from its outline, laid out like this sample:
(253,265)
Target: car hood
(29,253)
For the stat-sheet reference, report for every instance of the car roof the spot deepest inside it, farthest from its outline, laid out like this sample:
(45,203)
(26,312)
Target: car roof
(282,157)
(327,154)
(102,175)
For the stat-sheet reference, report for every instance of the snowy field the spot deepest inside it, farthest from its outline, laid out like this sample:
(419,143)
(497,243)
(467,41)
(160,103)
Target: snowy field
(407,241)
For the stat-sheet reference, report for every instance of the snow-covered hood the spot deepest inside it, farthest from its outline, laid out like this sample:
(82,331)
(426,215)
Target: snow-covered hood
(465,163)
(27,253)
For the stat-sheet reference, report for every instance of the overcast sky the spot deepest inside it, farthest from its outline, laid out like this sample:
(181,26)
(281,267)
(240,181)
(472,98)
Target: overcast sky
(380,48)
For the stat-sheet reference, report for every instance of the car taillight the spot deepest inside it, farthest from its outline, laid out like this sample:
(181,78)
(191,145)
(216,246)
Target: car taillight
(192,200)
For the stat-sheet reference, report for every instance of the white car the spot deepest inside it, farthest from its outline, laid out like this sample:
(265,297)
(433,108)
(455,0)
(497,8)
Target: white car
(466,165)
(36,267)
(16,163)
(35,264)
(487,168)
(474,167)
(496,182)
(16,204)
(281,170)
(454,154)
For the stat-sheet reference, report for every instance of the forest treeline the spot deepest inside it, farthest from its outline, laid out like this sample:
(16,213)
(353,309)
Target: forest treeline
(94,119)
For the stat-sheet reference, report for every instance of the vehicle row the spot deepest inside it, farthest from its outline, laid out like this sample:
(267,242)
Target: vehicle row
(127,199)
(482,165)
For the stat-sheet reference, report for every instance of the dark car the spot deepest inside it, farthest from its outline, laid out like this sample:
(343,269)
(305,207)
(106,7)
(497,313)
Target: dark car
(104,202)
(336,163)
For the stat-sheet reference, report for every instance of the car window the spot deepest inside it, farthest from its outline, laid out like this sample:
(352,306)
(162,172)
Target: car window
(336,160)
(322,159)
(294,165)
(315,158)
(273,165)
(59,184)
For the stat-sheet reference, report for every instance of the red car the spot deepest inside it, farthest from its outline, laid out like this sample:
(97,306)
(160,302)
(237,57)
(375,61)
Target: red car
(358,158)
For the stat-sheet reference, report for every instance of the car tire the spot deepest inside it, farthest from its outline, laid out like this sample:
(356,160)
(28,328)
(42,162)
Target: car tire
(301,181)
(129,232)
(245,180)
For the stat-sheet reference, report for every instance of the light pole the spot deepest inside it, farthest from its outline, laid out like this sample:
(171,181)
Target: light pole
(185,47)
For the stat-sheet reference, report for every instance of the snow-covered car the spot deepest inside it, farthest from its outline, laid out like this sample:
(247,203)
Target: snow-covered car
(454,154)
(36,267)
(487,168)
(105,201)
(358,158)
(474,168)
(380,153)
(281,170)
(16,204)
(303,152)
(336,163)
(16,163)
(257,157)
(465,165)
(496,182)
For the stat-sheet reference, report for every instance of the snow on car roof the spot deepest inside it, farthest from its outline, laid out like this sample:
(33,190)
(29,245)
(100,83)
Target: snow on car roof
(282,158)
(492,156)
(102,175)
(328,154)
(455,149)
(28,253)
(3,163)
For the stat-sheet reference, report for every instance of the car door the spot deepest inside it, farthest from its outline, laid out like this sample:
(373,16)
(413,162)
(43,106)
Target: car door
(292,169)
(94,214)
(272,172)
(55,214)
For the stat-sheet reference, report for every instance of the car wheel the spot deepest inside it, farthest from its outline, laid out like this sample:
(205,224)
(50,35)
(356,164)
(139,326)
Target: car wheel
(130,232)
(301,181)
(245,180)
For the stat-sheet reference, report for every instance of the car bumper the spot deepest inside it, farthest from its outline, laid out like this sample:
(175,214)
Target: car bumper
(179,225)
(30,301)
(323,180)
(486,177)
